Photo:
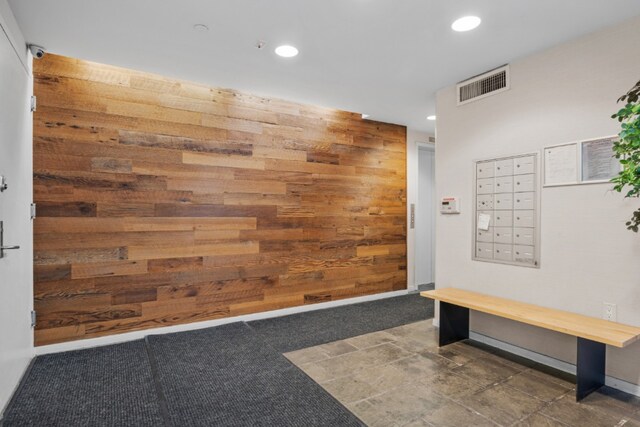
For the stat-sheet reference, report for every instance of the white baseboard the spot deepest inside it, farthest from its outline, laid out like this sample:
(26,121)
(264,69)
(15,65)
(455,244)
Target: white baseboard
(560,365)
(16,387)
(130,336)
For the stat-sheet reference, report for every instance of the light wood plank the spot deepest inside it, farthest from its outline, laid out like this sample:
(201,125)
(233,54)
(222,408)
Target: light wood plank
(591,328)
(102,269)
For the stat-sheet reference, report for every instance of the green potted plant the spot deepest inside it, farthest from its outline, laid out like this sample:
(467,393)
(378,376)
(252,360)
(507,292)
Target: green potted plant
(627,150)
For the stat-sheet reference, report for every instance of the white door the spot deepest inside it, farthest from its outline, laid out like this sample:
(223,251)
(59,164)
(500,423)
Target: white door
(16,267)
(425,217)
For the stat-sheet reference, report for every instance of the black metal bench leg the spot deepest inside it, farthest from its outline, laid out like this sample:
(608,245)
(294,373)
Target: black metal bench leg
(454,323)
(591,364)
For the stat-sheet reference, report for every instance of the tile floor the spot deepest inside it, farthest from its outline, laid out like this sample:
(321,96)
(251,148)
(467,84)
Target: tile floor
(399,377)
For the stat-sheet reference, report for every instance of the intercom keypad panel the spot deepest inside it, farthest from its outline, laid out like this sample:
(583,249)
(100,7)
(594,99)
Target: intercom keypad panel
(506,211)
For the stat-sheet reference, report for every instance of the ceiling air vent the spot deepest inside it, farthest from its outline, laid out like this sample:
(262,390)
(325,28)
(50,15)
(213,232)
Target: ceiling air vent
(486,84)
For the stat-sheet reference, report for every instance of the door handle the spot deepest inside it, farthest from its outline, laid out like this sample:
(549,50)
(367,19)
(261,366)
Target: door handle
(6,248)
(2,247)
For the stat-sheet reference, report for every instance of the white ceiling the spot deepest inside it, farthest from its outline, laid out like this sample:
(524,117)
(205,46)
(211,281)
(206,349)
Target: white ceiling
(386,58)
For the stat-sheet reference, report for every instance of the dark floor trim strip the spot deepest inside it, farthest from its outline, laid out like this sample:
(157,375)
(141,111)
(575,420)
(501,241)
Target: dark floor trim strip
(162,401)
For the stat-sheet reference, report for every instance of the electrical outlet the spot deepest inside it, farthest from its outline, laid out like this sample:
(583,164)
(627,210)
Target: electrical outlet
(609,312)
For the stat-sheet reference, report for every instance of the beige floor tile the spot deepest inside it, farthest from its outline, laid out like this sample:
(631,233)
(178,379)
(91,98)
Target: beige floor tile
(452,385)
(452,414)
(317,373)
(570,412)
(418,423)
(347,364)
(384,378)
(367,412)
(406,404)
(366,383)
(518,363)
(469,349)
(350,389)
(450,353)
(440,360)
(416,345)
(421,325)
(381,354)
(337,348)
(371,340)
(320,352)
(540,387)
(630,422)
(306,355)
(416,331)
(552,375)
(614,402)
(421,367)
(486,371)
(502,404)
(539,420)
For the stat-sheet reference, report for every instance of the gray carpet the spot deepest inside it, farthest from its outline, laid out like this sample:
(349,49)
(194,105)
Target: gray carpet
(105,386)
(228,376)
(231,375)
(312,328)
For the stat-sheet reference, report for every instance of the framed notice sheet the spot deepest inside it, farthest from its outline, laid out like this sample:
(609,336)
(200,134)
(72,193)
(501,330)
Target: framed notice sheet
(561,165)
(598,161)
(589,161)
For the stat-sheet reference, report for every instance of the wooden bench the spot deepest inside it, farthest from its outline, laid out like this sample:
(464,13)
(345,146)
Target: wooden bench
(593,334)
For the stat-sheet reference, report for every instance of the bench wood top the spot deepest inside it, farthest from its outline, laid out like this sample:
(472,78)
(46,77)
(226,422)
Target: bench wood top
(591,328)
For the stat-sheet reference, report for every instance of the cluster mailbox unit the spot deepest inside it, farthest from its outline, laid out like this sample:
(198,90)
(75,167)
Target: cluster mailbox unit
(506,219)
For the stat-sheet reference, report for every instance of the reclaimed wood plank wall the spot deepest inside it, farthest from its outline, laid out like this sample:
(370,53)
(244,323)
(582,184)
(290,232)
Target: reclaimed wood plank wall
(162,202)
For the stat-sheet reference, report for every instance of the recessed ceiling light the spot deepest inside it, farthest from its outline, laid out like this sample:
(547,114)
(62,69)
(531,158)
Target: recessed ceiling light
(200,27)
(466,23)
(431,118)
(365,116)
(286,51)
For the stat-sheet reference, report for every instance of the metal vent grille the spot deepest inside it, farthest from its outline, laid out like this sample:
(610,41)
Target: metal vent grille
(489,83)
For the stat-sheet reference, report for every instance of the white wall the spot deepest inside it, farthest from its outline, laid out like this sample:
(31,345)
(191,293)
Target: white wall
(564,94)
(414,137)
(16,269)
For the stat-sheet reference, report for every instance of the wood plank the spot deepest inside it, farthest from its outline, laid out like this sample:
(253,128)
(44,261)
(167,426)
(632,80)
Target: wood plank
(189,158)
(67,209)
(110,165)
(211,186)
(234,248)
(591,328)
(163,202)
(130,224)
(116,268)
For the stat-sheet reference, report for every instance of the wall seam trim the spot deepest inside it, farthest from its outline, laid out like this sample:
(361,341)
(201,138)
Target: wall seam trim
(14,47)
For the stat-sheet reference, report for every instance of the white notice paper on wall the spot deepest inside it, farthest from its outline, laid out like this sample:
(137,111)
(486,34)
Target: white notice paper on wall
(561,165)
(483,221)
(598,163)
